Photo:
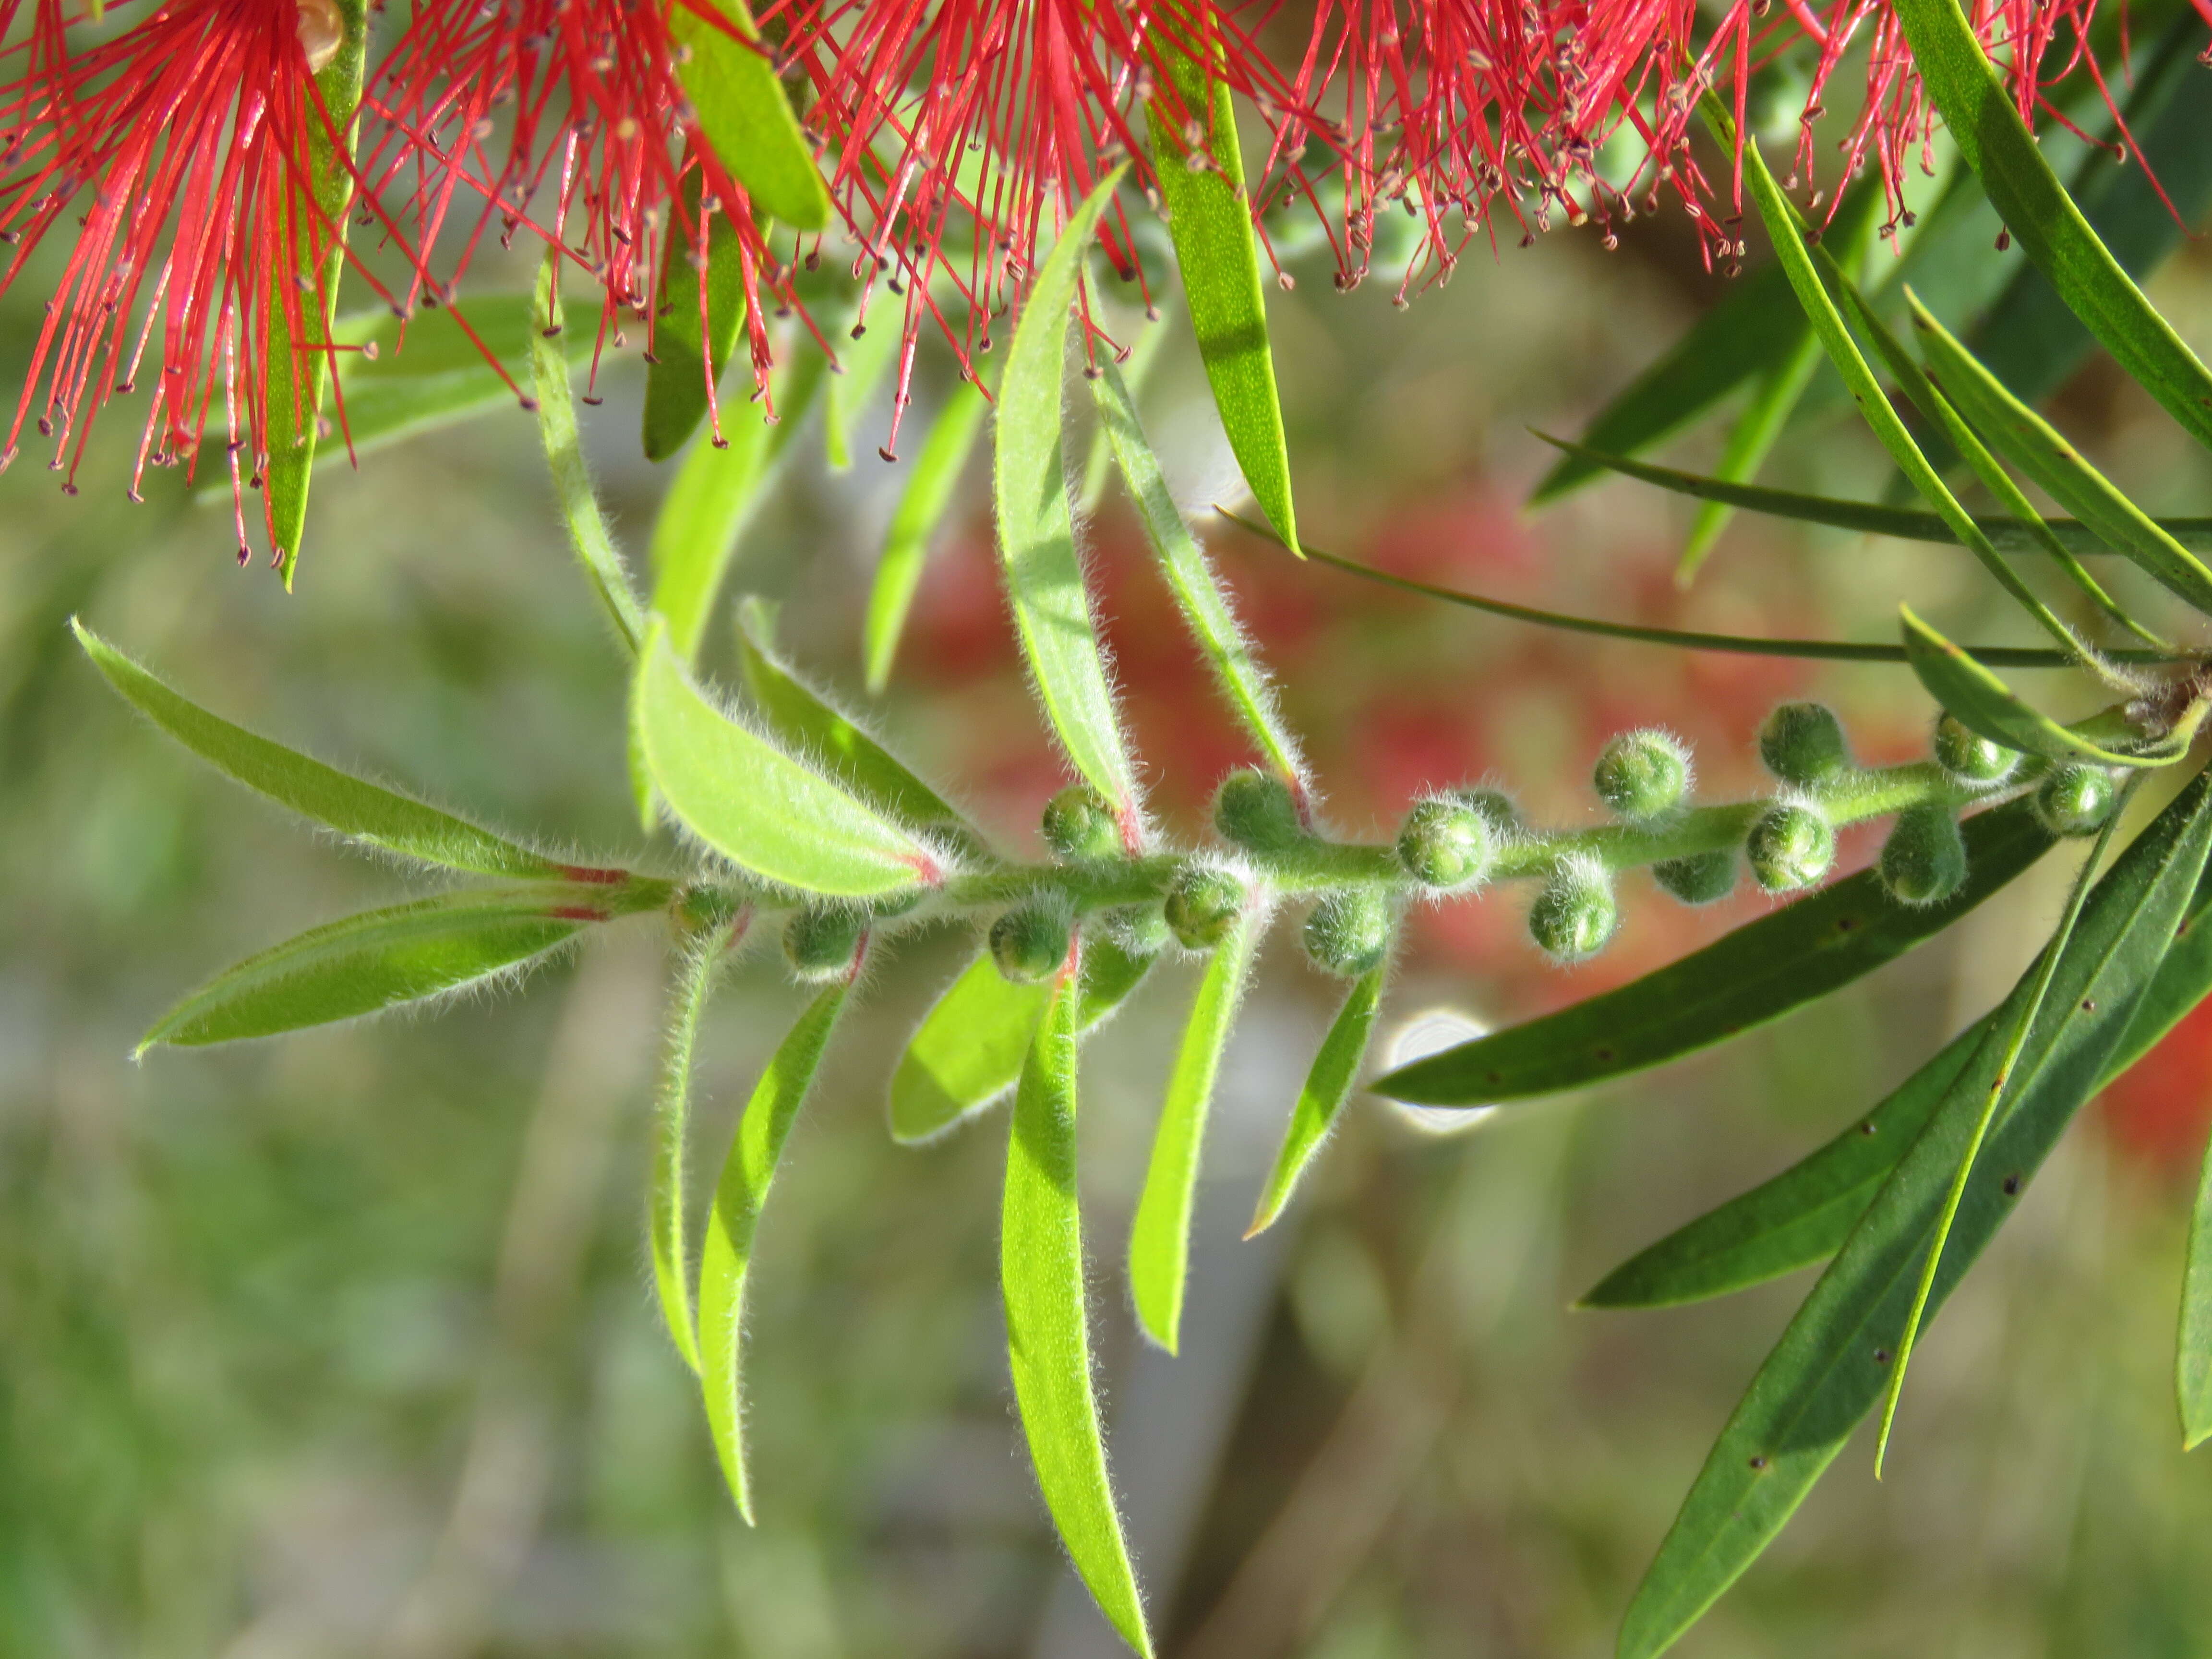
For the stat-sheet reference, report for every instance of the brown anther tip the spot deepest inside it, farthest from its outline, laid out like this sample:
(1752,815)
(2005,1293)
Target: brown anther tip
(886,454)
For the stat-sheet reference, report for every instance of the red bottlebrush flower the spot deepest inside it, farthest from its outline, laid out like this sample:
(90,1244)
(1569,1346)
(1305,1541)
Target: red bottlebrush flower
(193,132)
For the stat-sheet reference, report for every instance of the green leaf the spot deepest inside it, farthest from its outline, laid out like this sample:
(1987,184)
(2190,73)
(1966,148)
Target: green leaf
(1984,703)
(2029,441)
(2192,1368)
(360,811)
(1759,972)
(1328,1086)
(727,1252)
(1037,534)
(1159,1239)
(695,324)
(572,483)
(381,958)
(1136,371)
(1210,219)
(701,963)
(1048,1321)
(969,1049)
(1206,609)
(1829,1369)
(713,498)
(1774,398)
(921,508)
(806,723)
(743,112)
(860,366)
(758,807)
(2044,220)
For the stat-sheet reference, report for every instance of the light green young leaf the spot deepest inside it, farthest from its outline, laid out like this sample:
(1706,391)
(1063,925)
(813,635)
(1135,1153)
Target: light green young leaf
(1210,218)
(2193,1370)
(1048,1321)
(757,805)
(969,1049)
(2042,219)
(921,508)
(564,456)
(699,964)
(1159,1239)
(1328,1086)
(1037,534)
(689,350)
(1198,592)
(381,958)
(361,811)
(1136,373)
(862,362)
(741,108)
(1984,703)
(727,1252)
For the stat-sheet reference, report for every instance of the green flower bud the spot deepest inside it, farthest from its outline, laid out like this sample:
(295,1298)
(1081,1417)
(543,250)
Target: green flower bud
(1924,860)
(1575,915)
(1496,807)
(1203,905)
(1643,774)
(1971,757)
(1700,878)
(1029,942)
(1790,846)
(2075,801)
(1803,742)
(1254,810)
(1080,826)
(820,939)
(1445,842)
(1140,929)
(1349,932)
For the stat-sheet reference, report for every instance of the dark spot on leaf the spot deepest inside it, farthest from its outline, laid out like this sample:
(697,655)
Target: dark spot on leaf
(1845,924)
(1867,1128)
(1607,1055)
(2012,1185)
(2088,1004)
(1759,1462)
(1882,1356)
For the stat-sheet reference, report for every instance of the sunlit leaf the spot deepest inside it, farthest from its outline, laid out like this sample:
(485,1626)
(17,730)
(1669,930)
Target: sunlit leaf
(742,110)
(861,364)
(694,325)
(1984,704)
(922,505)
(1328,1086)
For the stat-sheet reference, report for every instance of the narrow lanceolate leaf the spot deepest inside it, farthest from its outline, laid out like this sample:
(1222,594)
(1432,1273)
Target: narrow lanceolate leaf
(1328,1086)
(921,508)
(1037,533)
(695,324)
(2192,1372)
(360,811)
(1759,973)
(296,355)
(1159,1238)
(380,959)
(572,483)
(1210,217)
(742,111)
(969,1049)
(701,961)
(2031,444)
(1985,704)
(732,1223)
(757,805)
(1198,592)
(1830,1365)
(1048,1321)
(2044,220)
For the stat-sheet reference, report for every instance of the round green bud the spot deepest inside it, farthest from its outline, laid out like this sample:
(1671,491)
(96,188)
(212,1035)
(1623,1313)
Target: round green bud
(1029,942)
(1575,915)
(1643,774)
(1139,929)
(820,939)
(1790,846)
(1349,932)
(1203,905)
(1971,757)
(1079,824)
(1700,878)
(1256,810)
(1496,807)
(1445,842)
(1803,742)
(2075,801)
(1924,860)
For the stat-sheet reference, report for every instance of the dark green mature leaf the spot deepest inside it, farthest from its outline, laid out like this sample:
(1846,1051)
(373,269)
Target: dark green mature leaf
(742,110)
(1759,973)
(694,981)
(1830,1365)
(1048,1321)
(1984,703)
(694,325)
(2192,1366)
(726,1256)
(921,508)
(380,959)
(360,811)
(1210,217)
(1328,1086)
(759,807)
(1159,1238)
(2044,220)
(969,1049)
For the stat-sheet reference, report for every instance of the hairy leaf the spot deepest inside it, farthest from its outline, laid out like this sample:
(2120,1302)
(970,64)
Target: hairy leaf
(1328,1086)
(1984,703)
(700,964)
(732,82)
(921,508)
